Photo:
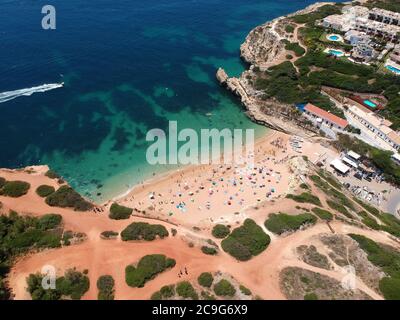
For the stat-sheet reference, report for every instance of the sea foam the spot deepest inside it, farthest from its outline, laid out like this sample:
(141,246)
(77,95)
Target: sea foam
(10,95)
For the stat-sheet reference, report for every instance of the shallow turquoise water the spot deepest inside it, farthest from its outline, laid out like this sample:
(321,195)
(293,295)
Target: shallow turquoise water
(128,67)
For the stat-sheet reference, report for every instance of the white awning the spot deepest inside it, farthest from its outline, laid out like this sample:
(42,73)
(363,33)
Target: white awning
(340,166)
(353,155)
(396,157)
(350,162)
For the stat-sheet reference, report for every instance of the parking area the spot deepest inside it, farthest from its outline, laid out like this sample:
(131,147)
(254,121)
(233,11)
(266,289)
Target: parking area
(366,183)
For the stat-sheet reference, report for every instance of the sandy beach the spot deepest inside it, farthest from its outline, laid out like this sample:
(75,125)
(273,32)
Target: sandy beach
(200,195)
(195,187)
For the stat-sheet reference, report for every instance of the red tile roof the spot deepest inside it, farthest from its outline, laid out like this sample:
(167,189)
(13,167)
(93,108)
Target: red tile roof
(326,115)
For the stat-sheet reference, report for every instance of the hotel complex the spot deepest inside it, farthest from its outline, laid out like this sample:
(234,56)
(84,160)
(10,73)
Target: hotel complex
(376,22)
(378,128)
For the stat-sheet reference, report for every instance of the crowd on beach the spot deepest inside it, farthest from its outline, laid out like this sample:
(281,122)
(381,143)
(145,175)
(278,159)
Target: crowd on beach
(218,188)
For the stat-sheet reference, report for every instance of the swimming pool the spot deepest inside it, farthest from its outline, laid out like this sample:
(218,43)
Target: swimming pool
(334,37)
(370,104)
(337,53)
(393,69)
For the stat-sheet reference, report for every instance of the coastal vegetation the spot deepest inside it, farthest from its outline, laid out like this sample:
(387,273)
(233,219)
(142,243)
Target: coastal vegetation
(369,221)
(22,234)
(311,256)
(339,208)
(220,231)
(147,268)
(391,5)
(165,292)
(144,231)
(73,285)
(13,189)
(186,290)
(205,279)
(318,14)
(302,82)
(386,258)
(105,285)
(66,197)
(282,222)
(305,197)
(246,241)
(45,190)
(296,48)
(118,212)
(322,213)
(224,288)
(109,234)
(244,290)
(209,250)
(52,175)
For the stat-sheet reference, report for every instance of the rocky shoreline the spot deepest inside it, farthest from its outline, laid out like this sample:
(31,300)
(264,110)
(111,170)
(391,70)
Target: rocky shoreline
(262,49)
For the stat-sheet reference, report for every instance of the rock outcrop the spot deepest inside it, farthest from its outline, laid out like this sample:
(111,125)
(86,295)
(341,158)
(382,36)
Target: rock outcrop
(262,45)
(222,77)
(264,48)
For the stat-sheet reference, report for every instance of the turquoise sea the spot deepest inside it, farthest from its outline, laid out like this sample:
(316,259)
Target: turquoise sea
(128,66)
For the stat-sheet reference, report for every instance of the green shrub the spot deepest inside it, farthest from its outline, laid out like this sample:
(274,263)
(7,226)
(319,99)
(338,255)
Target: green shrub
(66,197)
(49,221)
(105,285)
(382,256)
(45,190)
(207,296)
(339,208)
(186,290)
(109,234)
(245,290)
(156,296)
(323,214)
(391,224)
(73,284)
(148,267)
(246,241)
(224,288)
(143,231)
(289,28)
(118,212)
(367,207)
(205,279)
(282,222)
(320,13)
(167,291)
(2,182)
(390,287)
(311,296)
(15,189)
(52,175)
(369,221)
(305,197)
(220,231)
(22,234)
(209,250)
(296,48)
(304,186)
(35,288)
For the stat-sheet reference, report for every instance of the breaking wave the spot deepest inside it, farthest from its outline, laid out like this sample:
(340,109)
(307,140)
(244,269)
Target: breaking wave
(10,95)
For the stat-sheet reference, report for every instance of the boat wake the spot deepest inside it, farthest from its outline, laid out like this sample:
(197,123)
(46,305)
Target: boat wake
(10,95)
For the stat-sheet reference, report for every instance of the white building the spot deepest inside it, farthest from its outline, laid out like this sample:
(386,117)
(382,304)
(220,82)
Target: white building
(378,127)
(355,36)
(339,166)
